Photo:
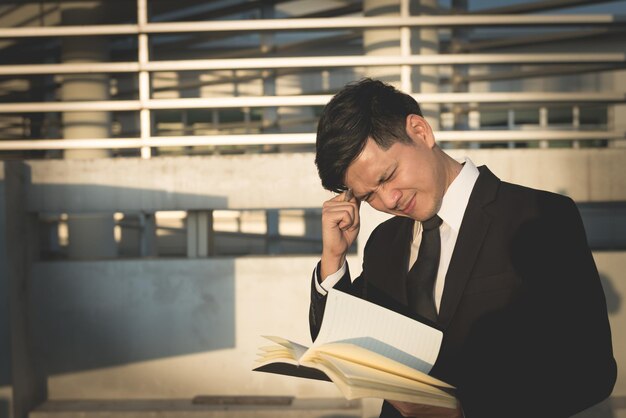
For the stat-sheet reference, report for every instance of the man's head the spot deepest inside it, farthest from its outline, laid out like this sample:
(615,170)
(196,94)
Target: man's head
(360,111)
(373,140)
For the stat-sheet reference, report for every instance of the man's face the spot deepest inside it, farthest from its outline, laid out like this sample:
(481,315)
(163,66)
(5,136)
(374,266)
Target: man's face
(407,179)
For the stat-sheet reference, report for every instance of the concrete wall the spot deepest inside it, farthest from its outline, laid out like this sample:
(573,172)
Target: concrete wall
(175,183)
(6,389)
(27,383)
(286,180)
(169,329)
(162,329)
(172,329)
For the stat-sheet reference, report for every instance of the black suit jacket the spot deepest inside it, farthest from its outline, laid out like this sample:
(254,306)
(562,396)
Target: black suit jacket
(526,331)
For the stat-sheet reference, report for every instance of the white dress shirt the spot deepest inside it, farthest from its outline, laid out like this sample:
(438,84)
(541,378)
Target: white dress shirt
(451,212)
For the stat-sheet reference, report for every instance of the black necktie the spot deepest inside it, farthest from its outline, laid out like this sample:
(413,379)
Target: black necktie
(421,277)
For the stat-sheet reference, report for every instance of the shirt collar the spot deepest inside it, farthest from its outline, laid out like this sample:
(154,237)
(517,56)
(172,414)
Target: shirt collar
(457,196)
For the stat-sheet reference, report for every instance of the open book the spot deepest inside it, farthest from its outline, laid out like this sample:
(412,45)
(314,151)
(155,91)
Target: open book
(367,351)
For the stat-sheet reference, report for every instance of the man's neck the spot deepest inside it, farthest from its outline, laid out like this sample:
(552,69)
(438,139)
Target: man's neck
(452,168)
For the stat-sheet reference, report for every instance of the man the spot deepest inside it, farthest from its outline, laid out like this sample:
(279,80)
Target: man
(503,270)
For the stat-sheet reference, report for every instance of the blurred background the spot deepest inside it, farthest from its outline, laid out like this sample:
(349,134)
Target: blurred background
(159,204)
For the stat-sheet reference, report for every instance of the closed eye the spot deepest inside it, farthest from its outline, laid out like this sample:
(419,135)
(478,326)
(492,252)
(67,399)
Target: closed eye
(381,182)
(390,176)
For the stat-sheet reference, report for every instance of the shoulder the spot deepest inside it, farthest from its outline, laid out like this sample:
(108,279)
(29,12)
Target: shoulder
(540,200)
(515,204)
(491,191)
(390,232)
(528,212)
(391,226)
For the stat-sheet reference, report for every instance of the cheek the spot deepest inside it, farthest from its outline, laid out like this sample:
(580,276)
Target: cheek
(428,181)
(380,207)
(376,204)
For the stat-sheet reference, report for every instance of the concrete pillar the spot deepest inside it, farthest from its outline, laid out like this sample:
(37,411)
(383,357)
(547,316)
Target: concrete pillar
(459,72)
(617,112)
(313,224)
(543,124)
(192,234)
(200,235)
(82,49)
(90,235)
(388,42)
(128,121)
(148,238)
(465,118)
(576,124)
(423,79)
(138,235)
(189,84)
(378,42)
(272,220)
(270,114)
(382,41)
(28,381)
(6,387)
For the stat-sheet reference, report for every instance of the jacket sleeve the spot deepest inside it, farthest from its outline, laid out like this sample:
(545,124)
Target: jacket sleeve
(550,355)
(579,354)
(318,301)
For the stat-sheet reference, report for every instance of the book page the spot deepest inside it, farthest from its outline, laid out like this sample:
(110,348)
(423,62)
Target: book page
(296,349)
(353,320)
(366,377)
(370,363)
(351,391)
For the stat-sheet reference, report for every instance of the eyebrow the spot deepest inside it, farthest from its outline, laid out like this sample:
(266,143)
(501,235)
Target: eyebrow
(381,180)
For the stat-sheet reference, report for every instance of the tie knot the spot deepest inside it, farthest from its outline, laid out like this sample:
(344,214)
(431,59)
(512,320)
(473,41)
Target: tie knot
(431,223)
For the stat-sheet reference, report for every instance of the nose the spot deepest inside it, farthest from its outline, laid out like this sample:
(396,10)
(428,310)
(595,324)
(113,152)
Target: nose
(390,197)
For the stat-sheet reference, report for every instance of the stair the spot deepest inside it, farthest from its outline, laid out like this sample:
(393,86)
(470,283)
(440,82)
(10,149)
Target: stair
(205,407)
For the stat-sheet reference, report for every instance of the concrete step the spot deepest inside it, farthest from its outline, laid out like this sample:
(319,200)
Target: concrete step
(205,407)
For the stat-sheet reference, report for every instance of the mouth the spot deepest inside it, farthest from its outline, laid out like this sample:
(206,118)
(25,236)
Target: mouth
(409,206)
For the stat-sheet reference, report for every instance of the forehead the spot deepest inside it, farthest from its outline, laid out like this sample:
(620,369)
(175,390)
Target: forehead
(366,170)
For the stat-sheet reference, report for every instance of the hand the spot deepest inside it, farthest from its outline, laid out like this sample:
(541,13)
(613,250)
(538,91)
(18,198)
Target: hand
(426,411)
(340,227)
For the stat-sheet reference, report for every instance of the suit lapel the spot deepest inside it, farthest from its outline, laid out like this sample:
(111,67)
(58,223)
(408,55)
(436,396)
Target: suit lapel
(390,269)
(399,259)
(471,235)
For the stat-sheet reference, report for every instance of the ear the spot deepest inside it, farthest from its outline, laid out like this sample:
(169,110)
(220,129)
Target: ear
(419,129)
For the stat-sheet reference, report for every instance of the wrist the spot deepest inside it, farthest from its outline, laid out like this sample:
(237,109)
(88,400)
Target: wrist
(330,264)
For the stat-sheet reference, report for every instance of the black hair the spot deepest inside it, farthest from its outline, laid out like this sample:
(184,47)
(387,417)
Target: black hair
(361,110)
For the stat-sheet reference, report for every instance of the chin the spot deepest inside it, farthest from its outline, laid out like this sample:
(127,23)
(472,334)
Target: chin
(410,215)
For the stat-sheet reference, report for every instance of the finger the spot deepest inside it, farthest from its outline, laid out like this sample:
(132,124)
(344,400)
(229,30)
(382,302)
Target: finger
(347,196)
(341,216)
(340,200)
(344,218)
(350,197)
(333,207)
(356,215)
(352,207)
(400,407)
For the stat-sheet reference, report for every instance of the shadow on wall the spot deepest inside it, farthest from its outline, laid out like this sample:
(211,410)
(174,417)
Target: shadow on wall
(92,314)
(93,198)
(103,313)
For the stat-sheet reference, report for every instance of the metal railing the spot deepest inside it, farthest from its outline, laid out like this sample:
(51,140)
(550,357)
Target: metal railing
(144,67)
